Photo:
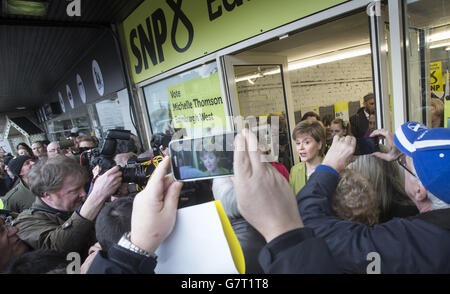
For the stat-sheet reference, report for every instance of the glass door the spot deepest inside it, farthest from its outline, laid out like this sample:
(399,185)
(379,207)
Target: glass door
(379,36)
(259,90)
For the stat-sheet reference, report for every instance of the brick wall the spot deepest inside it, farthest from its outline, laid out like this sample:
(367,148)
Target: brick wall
(320,85)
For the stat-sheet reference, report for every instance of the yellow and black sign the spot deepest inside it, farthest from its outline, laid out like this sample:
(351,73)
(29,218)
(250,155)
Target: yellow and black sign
(162,34)
(197,103)
(436,76)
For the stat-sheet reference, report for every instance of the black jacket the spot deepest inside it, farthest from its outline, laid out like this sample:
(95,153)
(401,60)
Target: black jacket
(359,123)
(119,260)
(419,244)
(251,242)
(296,251)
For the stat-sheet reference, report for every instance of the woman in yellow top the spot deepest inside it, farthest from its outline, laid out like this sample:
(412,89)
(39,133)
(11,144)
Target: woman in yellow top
(211,161)
(309,136)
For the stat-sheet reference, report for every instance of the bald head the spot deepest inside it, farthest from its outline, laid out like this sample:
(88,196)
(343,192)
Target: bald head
(53,149)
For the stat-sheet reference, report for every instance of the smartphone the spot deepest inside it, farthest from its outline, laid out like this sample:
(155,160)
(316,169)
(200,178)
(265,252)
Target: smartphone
(202,158)
(366,146)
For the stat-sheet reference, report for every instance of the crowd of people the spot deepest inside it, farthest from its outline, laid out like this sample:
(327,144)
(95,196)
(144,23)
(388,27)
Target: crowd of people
(326,215)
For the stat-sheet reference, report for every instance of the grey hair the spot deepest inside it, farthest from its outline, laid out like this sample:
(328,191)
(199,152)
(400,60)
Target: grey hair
(49,175)
(386,179)
(436,203)
(223,190)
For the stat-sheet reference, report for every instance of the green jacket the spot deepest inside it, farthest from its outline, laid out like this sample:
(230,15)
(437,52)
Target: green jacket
(19,198)
(44,227)
(297,177)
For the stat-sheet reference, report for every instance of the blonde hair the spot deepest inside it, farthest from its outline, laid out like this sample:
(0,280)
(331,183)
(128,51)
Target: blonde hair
(355,199)
(438,107)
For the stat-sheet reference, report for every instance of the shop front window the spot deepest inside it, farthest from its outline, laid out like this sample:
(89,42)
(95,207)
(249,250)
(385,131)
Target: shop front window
(113,113)
(190,101)
(428,55)
(59,129)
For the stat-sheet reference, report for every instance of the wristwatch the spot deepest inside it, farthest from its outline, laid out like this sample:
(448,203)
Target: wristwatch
(125,242)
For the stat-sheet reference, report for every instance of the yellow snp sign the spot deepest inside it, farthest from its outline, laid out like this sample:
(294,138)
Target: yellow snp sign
(162,34)
(436,76)
(197,103)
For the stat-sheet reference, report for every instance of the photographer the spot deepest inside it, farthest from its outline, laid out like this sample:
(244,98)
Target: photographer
(85,143)
(53,221)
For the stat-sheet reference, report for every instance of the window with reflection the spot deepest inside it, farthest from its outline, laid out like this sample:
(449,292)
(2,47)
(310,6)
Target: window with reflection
(428,56)
(190,101)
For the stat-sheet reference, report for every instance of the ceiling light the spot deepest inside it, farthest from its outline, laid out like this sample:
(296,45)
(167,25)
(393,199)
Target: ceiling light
(316,60)
(20,107)
(330,58)
(439,36)
(258,75)
(22,7)
(439,45)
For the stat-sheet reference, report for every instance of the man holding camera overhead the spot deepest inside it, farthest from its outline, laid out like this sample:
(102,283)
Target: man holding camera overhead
(62,218)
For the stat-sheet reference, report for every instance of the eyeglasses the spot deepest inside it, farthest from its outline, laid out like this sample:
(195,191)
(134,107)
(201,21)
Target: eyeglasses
(402,161)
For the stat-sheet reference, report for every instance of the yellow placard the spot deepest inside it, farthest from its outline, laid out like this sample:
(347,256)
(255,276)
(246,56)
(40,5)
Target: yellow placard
(233,242)
(436,76)
(162,34)
(341,110)
(197,103)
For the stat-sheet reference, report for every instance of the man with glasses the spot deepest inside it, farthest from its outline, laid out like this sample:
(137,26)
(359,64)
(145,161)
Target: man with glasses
(417,244)
(53,149)
(62,217)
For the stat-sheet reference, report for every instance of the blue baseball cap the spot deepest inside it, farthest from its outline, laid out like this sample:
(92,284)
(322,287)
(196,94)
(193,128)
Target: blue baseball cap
(430,151)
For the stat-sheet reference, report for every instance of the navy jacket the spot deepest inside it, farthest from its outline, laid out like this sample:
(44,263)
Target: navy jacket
(419,244)
(359,123)
(296,251)
(119,260)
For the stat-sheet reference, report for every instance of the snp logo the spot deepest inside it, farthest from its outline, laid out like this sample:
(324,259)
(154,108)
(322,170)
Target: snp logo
(74,8)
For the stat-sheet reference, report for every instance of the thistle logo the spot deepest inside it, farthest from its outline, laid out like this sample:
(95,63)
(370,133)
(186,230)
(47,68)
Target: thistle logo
(74,8)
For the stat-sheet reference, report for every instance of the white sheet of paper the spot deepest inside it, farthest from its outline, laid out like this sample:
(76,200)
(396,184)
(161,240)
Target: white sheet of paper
(197,244)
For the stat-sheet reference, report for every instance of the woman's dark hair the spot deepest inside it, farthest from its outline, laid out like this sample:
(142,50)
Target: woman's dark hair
(39,261)
(310,114)
(23,145)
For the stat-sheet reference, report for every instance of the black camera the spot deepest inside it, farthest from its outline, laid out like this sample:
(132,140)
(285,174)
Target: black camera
(136,171)
(104,156)
(158,140)
(366,146)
